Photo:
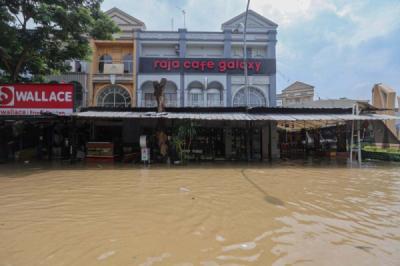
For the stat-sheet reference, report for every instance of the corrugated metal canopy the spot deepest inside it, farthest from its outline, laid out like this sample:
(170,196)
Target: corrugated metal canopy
(234,116)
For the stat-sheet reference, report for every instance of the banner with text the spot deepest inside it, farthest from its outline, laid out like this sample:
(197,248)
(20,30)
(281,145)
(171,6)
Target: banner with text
(36,99)
(206,65)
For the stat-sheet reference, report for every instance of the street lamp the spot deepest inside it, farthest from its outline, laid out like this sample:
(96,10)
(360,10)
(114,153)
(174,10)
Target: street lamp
(244,27)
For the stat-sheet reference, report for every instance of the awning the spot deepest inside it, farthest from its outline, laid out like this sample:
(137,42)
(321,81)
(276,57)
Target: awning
(235,116)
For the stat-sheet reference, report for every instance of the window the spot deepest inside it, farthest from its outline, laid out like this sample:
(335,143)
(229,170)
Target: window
(128,63)
(196,97)
(196,94)
(249,52)
(171,99)
(256,98)
(104,59)
(114,96)
(214,94)
(213,99)
(149,100)
(170,95)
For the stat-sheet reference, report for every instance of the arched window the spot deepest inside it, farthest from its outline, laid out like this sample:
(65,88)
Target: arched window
(104,59)
(196,94)
(128,63)
(148,98)
(214,94)
(113,96)
(78,94)
(257,98)
(170,94)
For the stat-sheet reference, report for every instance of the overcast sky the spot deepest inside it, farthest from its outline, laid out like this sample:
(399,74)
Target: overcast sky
(341,47)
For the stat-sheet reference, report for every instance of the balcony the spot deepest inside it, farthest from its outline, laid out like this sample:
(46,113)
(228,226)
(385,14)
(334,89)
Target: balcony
(121,70)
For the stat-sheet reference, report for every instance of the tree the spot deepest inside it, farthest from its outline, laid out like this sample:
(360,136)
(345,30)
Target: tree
(37,37)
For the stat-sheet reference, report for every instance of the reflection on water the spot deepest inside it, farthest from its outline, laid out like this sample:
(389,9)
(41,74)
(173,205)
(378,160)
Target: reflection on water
(206,215)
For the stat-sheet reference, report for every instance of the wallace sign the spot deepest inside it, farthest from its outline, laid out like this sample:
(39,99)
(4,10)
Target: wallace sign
(36,99)
(206,65)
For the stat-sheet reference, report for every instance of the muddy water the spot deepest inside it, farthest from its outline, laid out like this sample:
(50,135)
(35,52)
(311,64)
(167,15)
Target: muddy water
(200,215)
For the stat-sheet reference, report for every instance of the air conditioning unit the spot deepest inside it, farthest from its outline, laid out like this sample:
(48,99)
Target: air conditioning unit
(71,65)
(84,66)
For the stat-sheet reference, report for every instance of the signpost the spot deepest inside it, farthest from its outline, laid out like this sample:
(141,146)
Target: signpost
(145,151)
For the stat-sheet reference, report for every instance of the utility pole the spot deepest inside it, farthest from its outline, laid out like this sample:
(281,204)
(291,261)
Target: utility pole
(184,16)
(246,79)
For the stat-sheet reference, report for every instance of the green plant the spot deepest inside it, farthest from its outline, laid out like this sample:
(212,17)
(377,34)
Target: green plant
(392,150)
(183,137)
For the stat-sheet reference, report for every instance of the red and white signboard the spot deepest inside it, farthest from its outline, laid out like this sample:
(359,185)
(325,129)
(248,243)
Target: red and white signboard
(36,99)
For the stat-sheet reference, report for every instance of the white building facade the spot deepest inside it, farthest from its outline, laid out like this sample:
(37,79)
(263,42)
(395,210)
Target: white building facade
(205,69)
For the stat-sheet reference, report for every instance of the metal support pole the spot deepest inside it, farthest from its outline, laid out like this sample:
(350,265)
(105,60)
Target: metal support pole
(248,148)
(359,142)
(359,136)
(270,140)
(352,139)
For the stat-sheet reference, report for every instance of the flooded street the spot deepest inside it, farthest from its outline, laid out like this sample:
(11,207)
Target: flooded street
(283,214)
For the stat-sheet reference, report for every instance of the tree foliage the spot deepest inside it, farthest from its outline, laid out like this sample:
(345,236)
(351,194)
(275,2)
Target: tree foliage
(37,37)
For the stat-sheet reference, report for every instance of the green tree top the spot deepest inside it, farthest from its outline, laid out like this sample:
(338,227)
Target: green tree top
(37,37)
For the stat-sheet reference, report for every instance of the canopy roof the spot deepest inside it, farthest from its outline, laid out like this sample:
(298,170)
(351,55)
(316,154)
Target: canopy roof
(236,114)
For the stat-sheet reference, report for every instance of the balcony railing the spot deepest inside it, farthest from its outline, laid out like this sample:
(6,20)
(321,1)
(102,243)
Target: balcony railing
(206,104)
(115,67)
(153,103)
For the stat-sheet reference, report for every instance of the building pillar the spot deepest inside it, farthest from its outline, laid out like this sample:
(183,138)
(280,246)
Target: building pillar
(228,54)
(138,52)
(265,140)
(248,136)
(272,90)
(182,91)
(274,149)
(271,54)
(228,143)
(182,54)
(92,69)
(227,43)
(228,90)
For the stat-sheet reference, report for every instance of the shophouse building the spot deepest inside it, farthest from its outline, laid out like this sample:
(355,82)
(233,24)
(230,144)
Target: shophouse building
(205,69)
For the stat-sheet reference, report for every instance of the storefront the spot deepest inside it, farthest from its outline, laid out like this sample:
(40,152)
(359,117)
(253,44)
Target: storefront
(256,134)
(35,121)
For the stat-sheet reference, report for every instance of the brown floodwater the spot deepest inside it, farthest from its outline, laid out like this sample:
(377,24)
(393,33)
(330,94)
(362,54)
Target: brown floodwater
(208,214)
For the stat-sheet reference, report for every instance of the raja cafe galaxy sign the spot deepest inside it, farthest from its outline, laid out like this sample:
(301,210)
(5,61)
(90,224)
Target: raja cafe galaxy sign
(206,65)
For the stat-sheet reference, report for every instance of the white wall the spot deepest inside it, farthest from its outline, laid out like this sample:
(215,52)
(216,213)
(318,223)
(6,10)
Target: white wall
(257,51)
(204,51)
(160,50)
